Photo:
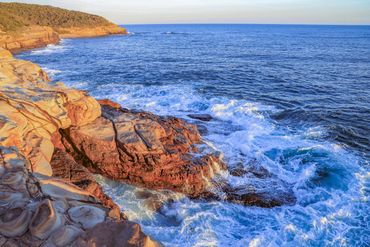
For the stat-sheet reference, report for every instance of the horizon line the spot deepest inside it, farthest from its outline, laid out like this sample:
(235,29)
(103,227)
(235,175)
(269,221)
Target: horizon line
(239,23)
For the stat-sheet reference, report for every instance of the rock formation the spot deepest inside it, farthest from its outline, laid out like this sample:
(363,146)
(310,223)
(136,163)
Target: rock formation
(143,149)
(28,38)
(27,26)
(37,210)
(83,32)
(53,137)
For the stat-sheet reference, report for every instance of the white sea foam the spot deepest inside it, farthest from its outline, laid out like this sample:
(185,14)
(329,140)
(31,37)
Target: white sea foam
(50,49)
(326,178)
(51,72)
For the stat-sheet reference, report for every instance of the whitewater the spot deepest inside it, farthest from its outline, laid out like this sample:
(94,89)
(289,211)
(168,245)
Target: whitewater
(292,100)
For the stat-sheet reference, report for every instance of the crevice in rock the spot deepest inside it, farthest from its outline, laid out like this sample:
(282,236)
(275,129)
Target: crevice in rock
(78,155)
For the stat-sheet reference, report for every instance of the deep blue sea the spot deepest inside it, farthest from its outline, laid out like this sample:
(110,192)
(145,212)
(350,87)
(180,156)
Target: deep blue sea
(295,99)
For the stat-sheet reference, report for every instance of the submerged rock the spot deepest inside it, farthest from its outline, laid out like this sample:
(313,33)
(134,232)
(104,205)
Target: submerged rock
(202,117)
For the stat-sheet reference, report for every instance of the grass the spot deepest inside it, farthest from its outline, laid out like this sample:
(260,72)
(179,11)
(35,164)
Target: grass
(14,16)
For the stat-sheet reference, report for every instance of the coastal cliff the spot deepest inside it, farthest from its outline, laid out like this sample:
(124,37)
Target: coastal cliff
(37,208)
(27,26)
(52,138)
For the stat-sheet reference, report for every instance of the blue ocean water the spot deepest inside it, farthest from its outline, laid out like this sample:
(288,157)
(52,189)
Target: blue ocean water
(295,99)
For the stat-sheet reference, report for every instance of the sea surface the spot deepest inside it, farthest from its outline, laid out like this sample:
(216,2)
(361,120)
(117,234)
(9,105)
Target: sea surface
(293,99)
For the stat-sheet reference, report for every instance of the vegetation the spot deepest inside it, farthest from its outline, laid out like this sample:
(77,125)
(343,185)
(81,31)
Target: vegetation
(17,15)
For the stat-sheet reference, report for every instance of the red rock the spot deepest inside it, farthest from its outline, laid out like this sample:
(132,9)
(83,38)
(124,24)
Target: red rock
(66,168)
(115,234)
(108,102)
(144,149)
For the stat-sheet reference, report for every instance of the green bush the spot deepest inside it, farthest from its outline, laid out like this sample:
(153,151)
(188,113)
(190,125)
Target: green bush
(16,15)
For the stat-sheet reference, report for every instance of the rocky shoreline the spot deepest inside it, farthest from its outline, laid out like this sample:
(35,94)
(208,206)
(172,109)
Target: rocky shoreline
(39,36)
(53,138)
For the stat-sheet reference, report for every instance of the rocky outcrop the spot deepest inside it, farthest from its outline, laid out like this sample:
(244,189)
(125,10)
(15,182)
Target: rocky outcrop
(28,38)
(143,149)
(35,208)
(40,36)
(32,109)
(83,32)
(26,26)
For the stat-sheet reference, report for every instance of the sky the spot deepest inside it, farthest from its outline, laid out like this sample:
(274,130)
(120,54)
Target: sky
(222,11)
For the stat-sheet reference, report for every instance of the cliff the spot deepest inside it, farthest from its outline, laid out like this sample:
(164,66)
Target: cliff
(35,207)
(51,140)
(27,26)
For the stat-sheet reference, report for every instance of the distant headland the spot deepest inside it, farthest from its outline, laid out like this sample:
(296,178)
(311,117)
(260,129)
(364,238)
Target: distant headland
(26,26)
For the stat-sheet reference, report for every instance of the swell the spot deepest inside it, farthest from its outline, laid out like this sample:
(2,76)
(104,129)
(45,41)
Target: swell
(292,117)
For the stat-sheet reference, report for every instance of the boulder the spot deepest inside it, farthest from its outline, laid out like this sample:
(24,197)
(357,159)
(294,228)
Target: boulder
(144,149)
(115,234)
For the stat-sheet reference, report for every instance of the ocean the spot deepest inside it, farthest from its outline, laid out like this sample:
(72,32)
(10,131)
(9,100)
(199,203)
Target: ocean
(293,98)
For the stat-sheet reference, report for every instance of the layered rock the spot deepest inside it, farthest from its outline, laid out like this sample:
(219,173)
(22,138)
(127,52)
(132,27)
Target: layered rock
(27,26)
(32,109)
(83,32)
(40,36)
(143,149)
(28,38)
(35,208)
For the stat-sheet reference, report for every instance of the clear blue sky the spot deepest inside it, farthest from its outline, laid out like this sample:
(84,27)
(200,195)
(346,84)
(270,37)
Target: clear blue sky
(222,11)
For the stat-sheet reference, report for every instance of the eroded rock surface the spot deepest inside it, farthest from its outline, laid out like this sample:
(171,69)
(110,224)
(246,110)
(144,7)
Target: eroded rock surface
(32,109)
(143,149)
(79,32)
(28,38)
(35,208)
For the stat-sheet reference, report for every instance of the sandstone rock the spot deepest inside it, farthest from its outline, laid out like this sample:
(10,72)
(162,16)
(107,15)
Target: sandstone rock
(108,102)
(45,220)
(115,234)
(60,189)
(144,149)
(36,209)
(65,235)
(86,215)
(79,32)
(65,167)
(28,38)
(14,222)
(43,217)
(32,110)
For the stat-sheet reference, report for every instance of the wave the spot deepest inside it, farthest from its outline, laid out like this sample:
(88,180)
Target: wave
(329,182)
(50,49)
(51,72)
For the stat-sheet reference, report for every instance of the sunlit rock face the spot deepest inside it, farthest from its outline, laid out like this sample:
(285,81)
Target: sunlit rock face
(28,38)
(35,208)
(78,32)
(143,149)
(32,109)
(39,210)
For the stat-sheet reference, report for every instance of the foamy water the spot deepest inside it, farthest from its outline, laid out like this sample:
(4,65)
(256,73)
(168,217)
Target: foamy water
(299,113)
(328,181)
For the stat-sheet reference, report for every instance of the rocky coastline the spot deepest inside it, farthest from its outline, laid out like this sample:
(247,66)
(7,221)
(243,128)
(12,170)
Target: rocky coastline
(39,36)
(53,138)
